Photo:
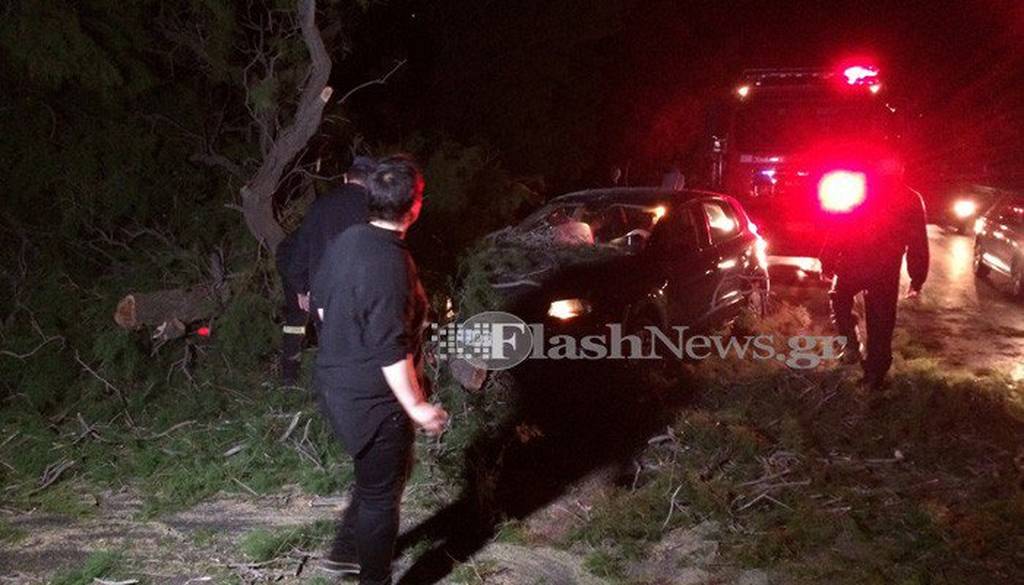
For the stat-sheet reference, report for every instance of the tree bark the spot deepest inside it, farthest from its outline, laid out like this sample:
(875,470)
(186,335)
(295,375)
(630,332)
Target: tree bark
(258,193)
(168,311)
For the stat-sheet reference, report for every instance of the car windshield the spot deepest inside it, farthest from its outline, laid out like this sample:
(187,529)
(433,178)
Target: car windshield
(600,223)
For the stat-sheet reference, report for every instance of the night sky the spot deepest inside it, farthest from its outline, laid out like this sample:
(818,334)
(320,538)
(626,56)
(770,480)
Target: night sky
(567,88)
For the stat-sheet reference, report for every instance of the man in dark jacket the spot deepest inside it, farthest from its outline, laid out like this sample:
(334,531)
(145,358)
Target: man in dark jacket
(864,253)
(328,215)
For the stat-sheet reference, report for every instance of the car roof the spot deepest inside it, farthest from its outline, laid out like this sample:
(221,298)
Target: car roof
(636,195)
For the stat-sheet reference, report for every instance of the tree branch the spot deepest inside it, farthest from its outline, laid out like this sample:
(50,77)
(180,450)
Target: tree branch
(257,194)
(378,81)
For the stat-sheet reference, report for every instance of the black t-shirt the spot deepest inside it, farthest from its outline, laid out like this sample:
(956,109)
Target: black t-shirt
(374,308)
(329,215)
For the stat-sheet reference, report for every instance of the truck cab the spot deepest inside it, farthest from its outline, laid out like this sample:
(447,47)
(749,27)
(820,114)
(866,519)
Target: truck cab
(775,149)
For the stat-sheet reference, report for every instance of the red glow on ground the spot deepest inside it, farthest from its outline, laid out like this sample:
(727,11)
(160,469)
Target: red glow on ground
(203,332)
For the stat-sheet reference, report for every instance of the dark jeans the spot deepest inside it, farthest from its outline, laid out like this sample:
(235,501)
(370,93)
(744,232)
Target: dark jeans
(880,297)
(294,333)
(367,531)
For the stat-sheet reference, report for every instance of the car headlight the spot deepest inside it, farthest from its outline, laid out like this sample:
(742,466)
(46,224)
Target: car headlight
(965,208)
(566,309)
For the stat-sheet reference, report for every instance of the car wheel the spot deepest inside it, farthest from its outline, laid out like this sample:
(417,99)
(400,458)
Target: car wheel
(758,299)
(980,268)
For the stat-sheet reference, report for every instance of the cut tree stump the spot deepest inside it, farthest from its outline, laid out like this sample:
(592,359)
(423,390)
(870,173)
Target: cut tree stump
(167,311)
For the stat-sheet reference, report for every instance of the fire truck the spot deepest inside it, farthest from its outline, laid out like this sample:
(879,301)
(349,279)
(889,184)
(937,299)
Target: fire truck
(777,146)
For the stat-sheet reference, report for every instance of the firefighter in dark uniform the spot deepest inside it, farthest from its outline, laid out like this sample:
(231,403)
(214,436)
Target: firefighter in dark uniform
(298,256)
(864,253)
(295,317)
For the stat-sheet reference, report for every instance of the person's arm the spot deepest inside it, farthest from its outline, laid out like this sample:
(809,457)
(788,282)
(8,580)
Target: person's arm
(392,342)
(917,243)
(401,378)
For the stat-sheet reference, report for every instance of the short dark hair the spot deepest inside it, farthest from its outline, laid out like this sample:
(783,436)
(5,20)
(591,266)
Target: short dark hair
(361,169)
(395,185)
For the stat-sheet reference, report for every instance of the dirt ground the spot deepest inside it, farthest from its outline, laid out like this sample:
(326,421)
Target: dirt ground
(201,545)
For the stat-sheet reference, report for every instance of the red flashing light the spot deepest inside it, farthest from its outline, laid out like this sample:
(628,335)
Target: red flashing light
(841,191)
(203,332)
(861,75)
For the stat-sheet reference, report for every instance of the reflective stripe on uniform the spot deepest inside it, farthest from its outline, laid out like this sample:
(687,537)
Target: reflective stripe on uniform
(294,329)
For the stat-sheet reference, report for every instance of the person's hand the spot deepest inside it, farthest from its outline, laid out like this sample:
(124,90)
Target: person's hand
(303,301)
(429,417)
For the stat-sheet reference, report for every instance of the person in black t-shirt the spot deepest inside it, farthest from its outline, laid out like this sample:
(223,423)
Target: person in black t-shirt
(373,308)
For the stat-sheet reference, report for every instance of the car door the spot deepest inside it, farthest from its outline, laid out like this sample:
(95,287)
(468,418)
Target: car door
(1013,236)
(681,258)
(999,245)
(728,257)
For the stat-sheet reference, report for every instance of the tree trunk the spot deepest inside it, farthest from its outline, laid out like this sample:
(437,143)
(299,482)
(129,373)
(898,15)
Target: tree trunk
(258,193)
(167,311)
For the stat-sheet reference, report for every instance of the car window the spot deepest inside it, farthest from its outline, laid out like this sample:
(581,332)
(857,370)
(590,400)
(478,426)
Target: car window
(551,216)
(721,219)
(679,231)
(611,223)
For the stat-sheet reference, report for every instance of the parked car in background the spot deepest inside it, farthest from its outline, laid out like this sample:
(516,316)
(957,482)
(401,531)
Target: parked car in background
(676,258)
(959,206)
(999,242)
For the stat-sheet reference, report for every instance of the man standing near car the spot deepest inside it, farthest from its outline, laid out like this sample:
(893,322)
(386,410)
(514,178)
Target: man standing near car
(373,309)
(864,253)
(330,214)
(298,256)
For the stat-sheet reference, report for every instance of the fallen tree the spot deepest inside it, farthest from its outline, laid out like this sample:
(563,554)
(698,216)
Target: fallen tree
(167,312)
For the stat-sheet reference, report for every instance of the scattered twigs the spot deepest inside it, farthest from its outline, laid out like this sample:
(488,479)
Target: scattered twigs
(671,507)
(765,478)
(170,430)
(291,427)
(99,581)
(234,450)
(46,339)
(117,391)
(88,430)
(51,474)
(245,487)
(763,496)
(9,439)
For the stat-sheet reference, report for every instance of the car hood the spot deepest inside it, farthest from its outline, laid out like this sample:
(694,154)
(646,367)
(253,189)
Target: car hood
(596,279)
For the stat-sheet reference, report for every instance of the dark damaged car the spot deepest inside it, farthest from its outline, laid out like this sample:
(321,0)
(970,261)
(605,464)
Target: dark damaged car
(640,257)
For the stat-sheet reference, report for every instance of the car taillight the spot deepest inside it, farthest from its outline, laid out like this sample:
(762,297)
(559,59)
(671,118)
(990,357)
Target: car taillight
(841,191)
